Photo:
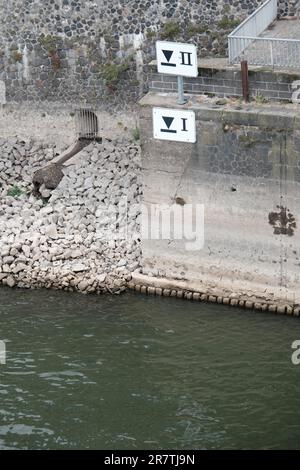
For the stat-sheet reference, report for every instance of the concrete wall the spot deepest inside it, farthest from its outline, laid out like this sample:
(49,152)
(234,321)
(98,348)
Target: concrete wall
(245,169)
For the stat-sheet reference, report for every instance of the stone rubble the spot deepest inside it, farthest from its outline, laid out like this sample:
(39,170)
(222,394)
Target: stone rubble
(85,235)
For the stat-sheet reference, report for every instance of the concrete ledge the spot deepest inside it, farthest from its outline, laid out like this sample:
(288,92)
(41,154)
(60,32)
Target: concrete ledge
(189,291)
(283,117)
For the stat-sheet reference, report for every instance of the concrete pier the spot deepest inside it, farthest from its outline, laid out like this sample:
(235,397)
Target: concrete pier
(245,170)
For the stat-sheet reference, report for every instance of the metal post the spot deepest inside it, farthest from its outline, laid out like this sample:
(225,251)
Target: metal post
(271,51)
(245,80)
(181,97)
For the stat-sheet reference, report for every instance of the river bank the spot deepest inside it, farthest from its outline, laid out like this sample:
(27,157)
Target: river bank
(82,236)
(86,235)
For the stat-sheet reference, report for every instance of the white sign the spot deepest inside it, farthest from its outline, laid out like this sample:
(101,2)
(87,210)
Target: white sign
(174,124)
(174,58)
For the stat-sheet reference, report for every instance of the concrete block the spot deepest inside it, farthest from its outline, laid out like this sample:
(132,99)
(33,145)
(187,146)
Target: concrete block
(249,304)
(281,309)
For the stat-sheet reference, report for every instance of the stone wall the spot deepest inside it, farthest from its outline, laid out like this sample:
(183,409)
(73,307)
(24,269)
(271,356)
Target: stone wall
(95,51)
(245,170)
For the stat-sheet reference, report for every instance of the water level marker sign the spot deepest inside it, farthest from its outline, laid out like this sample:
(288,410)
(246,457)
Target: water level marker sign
(174,58)
(174,124)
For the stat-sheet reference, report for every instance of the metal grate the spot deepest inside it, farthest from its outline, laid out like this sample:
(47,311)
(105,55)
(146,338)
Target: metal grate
(86,122)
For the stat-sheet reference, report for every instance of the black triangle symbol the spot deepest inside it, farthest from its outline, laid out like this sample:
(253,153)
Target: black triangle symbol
(168,121)
(168,55)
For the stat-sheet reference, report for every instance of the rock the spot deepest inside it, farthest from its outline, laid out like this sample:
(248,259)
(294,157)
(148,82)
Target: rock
(10,281)
(51,231)
(122,262)
(20,267)
(49,177)
(44,192)
(4,251)
(26,250)
(88,183)
(101,278)
(39,242)
(77,268)
(83,285)
(6,268)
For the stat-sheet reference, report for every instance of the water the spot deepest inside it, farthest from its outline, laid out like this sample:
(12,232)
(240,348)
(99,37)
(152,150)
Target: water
(137,372)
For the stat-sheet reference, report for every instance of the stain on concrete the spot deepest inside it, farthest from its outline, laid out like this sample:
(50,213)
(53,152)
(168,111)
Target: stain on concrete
(283,221)
(180,201)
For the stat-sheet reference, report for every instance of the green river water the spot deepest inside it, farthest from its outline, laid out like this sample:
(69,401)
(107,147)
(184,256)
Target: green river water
(138,372)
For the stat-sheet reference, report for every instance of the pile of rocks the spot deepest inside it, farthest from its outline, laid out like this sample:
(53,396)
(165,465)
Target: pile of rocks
(85,235)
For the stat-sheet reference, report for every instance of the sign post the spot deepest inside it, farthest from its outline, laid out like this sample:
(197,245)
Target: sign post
(174,124)
(177,59)
(181,98)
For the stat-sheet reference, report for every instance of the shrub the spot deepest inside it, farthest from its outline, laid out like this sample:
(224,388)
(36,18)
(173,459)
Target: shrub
(227,23)
(15,192)
(136,134)
(170,30)
(17,56)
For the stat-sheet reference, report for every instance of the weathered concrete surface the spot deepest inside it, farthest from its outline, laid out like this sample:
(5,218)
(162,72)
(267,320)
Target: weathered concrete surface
(284,29)
(55,124)
(245,169)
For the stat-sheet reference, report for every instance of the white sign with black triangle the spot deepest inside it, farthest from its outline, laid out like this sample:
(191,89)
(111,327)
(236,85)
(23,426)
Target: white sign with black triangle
(174,58)
(174,124)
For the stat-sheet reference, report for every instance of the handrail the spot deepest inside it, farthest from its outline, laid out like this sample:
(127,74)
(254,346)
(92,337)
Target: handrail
(250,29)
(256,12)
(253,38)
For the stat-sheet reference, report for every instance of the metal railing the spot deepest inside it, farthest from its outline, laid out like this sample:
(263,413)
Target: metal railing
(264,51)
(272,52)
